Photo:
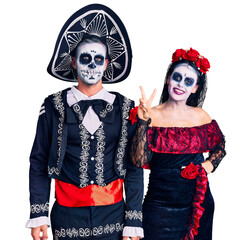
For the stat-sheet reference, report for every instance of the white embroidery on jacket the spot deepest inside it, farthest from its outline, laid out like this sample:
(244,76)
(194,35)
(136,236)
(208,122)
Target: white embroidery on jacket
(60,107)
(77,109)
(85,146)
(37,208)
(87,232)
(108,108)
(53,170)
(42,110)
(123,139)
(133,215)
(100,133)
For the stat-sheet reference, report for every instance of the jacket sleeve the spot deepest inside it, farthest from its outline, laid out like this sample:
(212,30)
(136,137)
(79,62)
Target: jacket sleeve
(134,195)
(134,189)
(39,182)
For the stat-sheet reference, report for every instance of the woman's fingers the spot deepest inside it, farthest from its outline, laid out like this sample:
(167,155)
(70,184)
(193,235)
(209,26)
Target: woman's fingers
(142,92)
(152,96)
(147,102)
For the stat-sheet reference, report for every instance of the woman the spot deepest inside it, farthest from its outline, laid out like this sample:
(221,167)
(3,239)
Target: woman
(171,139)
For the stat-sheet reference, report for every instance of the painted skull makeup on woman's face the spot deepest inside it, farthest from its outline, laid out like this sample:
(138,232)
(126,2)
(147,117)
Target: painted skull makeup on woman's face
(90,62)
(182,82)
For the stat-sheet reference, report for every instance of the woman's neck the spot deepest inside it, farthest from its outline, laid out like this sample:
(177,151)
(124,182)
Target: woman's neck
(173,105)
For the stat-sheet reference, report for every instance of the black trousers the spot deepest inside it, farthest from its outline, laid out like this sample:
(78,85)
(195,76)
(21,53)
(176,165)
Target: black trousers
(88,223)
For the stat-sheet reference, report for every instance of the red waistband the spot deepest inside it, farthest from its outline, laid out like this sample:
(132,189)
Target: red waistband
(69,195)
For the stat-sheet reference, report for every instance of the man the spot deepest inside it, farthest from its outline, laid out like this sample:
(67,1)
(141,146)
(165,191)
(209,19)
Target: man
(82,137)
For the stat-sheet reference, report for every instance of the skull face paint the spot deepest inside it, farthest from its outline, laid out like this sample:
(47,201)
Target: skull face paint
(90,62)
(182,82)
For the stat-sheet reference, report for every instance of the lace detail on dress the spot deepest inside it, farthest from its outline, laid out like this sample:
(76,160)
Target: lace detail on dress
(184,140)
(140,152)
(177,140)
(217,154)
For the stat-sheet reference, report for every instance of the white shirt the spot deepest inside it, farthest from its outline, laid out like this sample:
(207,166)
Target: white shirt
(91,120)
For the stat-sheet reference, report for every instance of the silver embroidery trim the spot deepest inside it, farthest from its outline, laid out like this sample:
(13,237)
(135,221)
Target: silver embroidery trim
(42,110)
(133,215)
(60,107)
(76,109)
(85,146)
(87,232)
(123,139)
(100,134)
(37,208)
(108,108)
(53,170)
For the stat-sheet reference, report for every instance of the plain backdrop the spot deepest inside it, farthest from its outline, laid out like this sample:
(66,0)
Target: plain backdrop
(219,30)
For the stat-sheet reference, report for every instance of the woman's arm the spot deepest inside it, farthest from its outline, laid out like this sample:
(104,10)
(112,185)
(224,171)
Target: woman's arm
(140,154)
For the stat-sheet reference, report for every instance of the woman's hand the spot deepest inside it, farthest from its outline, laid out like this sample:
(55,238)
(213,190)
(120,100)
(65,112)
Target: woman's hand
(144,109)
(208,166)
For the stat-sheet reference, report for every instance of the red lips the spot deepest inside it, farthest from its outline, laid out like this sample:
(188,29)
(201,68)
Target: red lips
(178,91)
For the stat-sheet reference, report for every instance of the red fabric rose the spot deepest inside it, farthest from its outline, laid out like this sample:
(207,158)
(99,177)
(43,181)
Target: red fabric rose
(191,55)
(194,56)
(203,64)
(198,210)
(190,171)
(178,54)
(146,166)
(133,115)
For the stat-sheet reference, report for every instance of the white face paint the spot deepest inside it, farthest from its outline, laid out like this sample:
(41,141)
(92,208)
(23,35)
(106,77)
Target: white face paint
(182,82)
(90,62)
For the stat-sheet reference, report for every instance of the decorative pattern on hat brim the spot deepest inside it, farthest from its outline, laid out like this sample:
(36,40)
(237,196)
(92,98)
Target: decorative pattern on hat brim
(98,21)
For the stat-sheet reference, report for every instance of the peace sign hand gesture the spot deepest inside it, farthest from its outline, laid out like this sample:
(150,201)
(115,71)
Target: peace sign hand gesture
(144,109)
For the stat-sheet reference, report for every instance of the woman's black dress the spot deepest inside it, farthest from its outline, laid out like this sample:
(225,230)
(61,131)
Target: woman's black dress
(178,204)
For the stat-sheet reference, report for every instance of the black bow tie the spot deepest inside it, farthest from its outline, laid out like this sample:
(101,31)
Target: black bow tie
(103,109)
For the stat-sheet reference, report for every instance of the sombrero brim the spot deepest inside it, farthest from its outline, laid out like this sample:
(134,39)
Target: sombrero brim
(99,21)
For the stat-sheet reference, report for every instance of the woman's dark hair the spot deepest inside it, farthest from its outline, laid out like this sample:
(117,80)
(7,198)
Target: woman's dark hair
(195,99)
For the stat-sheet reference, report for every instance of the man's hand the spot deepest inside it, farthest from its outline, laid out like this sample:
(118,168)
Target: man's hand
(35,233)
(132,238)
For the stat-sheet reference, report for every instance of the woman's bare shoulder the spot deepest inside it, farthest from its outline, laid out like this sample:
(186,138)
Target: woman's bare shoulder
(158,107)
(157,113)
(201,116)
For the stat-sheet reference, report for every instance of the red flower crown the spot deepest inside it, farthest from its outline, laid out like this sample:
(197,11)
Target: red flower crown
(192,55)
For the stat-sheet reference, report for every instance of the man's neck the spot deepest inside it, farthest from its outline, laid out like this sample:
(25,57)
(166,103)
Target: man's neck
(89,90)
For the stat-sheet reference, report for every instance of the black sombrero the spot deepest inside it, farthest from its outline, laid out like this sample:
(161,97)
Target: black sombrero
(98,21)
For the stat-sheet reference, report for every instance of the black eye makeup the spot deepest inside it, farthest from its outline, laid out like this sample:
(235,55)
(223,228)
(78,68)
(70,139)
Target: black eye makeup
(177,77)
(189,82)
(99,59)
(85,58)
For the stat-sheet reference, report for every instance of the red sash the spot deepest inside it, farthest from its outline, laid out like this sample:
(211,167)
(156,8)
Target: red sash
(69,195)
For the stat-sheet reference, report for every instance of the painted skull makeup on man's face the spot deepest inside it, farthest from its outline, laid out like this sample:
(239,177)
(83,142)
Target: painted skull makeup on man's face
(182,82)
(86,58)
(90,62)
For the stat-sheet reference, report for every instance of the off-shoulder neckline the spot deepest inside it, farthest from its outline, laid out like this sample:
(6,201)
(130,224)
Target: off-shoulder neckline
(198,126)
